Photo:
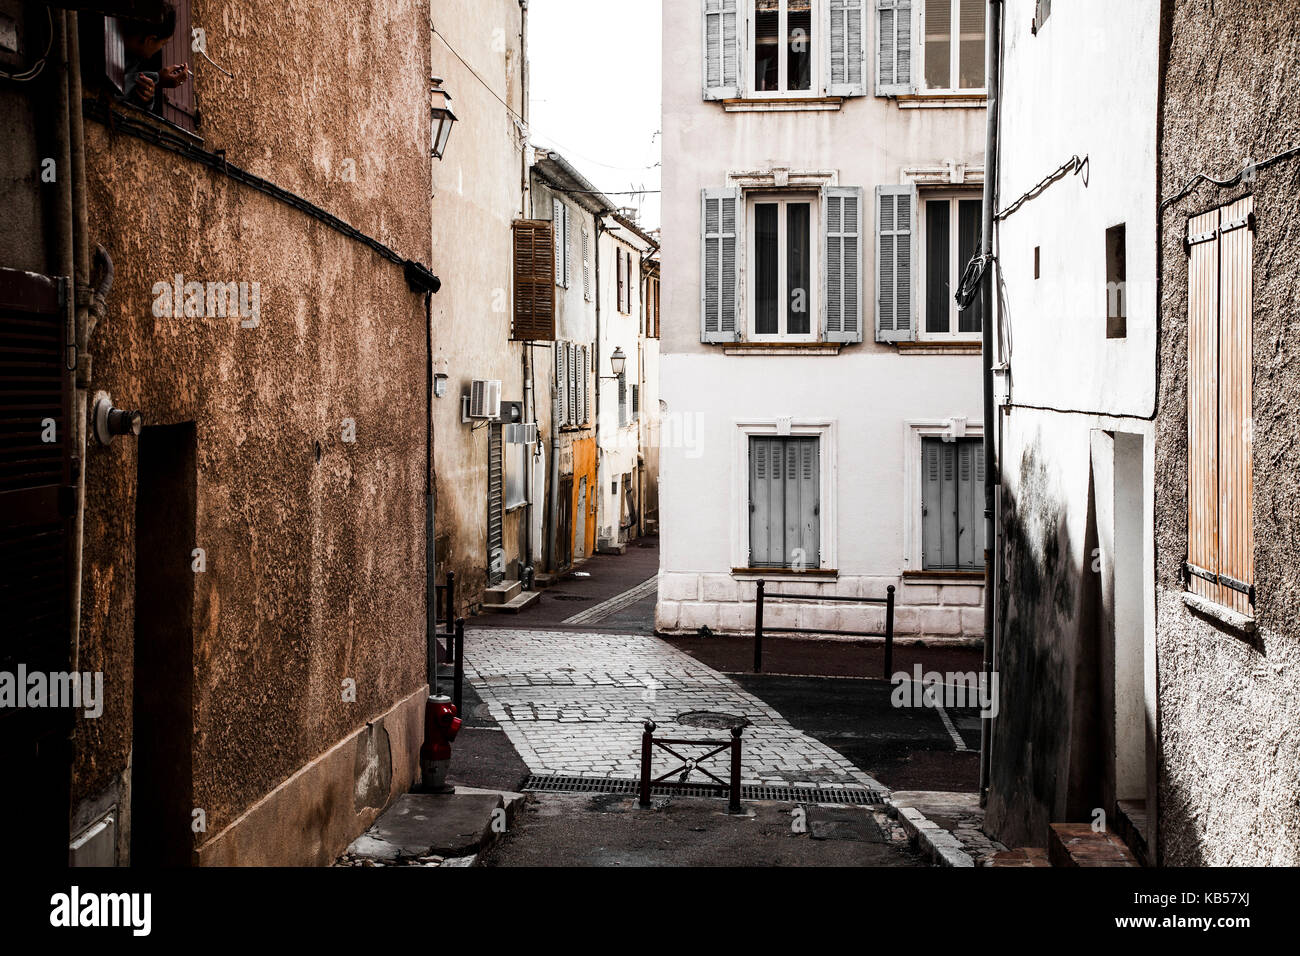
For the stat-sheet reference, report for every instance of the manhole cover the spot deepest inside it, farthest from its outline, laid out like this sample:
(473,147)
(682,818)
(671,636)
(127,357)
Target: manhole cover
(711,720)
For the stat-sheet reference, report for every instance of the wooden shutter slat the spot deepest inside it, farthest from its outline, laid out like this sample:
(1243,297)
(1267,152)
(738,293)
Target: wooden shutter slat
(1236,535)
(1202,406)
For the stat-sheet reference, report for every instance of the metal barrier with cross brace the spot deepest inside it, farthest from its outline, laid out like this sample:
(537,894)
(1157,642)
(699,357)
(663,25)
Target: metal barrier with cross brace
(690,764)
(887,634)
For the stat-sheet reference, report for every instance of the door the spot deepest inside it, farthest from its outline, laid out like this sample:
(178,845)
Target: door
(580,535)
(37,507)
(564,533)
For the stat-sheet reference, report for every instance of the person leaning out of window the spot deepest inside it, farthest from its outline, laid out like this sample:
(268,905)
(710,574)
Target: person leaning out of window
(142,42)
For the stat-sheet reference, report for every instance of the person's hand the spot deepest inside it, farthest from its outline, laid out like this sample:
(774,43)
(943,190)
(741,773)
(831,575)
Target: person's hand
(144,89)
(173,76)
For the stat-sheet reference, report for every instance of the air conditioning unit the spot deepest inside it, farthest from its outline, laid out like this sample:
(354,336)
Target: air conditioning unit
(485,399)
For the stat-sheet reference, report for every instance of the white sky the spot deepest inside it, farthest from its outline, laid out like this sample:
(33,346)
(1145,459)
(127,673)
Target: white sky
(595,81)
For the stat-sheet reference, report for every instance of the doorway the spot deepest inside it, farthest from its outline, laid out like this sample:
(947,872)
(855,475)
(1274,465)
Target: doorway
(580,532)
(162,756)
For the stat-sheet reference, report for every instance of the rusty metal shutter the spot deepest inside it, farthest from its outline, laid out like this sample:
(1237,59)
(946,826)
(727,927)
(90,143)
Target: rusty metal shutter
(1220,533)
(534,243)
(37,493)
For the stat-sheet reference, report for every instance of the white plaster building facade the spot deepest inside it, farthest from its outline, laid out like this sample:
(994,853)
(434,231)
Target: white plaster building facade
(823,161)
(1077,340)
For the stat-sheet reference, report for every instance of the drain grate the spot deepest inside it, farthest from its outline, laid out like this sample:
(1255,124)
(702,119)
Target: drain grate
(554,783)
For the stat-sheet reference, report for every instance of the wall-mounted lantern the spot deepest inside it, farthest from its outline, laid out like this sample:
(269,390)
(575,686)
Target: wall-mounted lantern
(618,362)
(443,117)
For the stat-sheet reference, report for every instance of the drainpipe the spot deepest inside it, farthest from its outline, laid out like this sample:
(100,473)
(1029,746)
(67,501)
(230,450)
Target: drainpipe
(987,306)
(430,502)
(598,424)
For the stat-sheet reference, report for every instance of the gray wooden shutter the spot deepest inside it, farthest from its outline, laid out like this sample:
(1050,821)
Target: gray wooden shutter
(557,229)
(721,245)
(970,505)
(846,22)
(843,254)
(765,500)
(572,351)
(568,249)
(894,48)
(952,501)
(784,502)
(584,386)
(586,264)
(561,383)
(722,49)
(895,258)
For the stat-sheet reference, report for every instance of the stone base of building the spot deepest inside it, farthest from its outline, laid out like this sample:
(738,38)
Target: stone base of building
(724,603)
(310,819)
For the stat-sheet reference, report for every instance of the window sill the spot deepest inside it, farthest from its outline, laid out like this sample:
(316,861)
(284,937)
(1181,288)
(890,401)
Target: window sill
(783,348)
(1242,623)
(953,577)
(782,104)
(940,348)
(931,101)
(786,574)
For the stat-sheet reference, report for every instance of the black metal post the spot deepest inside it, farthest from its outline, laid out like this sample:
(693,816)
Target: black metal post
(459,679)
(889,634)
(451,615)
(758,629)
(647,742)
(733,806)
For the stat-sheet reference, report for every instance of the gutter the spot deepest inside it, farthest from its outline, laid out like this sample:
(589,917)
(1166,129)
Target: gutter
(987,304)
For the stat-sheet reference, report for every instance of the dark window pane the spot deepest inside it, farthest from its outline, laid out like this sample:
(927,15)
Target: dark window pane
(767,46)
(971,59)
(798,269)
(765,268)
(799,56)
(937,268)
(970,214)
(938,44)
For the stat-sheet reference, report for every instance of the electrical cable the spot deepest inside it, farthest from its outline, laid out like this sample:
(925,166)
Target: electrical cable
(1249,168)
(33,71)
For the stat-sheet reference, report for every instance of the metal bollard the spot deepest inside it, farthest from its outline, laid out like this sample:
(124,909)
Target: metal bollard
(733,806)
(647,742)
(459,679)
(889,634)
(758,628)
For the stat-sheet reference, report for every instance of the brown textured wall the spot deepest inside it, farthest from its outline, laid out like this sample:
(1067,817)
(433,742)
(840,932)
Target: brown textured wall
(1230,757)
(315,562)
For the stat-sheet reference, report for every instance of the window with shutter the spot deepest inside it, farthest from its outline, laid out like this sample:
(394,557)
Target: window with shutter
(561,384)
(722,40)
(954,44)
(575,397)
(784,502)
(177,104)
(720,251)
(560,228)
(952,504)
(568,248)
(584,385)
(843,250)
(1220,385)
(622,398)
(534,279)
(636,403)
(895,232)
(784,252)
(951,224)
(848,53)
(894,48)
(784,42)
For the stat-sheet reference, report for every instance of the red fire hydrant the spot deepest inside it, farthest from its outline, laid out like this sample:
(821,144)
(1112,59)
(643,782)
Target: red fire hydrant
(440,728)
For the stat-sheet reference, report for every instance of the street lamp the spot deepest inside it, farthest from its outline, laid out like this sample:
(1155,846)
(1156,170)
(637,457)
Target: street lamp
(618,362)
(443,117)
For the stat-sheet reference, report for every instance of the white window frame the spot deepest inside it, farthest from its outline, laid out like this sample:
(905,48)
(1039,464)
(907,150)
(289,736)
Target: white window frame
(815,239)
(815,52)
(914,430)
(954,59)
(826,431)
(954,197)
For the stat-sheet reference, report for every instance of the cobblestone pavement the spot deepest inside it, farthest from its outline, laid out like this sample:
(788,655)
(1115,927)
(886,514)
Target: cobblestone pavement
(574,703)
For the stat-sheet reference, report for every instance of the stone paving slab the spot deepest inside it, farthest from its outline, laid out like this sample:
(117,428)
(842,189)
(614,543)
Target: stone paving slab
(574,703)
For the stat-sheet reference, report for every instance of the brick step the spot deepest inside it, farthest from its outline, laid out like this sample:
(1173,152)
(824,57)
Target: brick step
(1021,856)
(1077,844)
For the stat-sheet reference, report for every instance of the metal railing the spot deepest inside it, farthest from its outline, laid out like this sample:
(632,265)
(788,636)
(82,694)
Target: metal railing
(759,629)
(689,765)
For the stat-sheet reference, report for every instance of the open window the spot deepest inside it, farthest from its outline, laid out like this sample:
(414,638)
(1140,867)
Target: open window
(128,47)
(951,224)
(783,300)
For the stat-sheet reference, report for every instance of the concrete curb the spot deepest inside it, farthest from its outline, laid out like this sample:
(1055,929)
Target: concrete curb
(935,843)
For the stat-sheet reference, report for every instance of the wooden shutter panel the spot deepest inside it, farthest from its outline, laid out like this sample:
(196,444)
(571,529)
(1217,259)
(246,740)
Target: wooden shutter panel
(843,254)
(895,239)
(806,482)
(764,459)
(848,47)
(534,280)
(1236,444)
(722,49)
(495,504)
(721,245)
(784,502)
(970,505)
(584,385)
(575,416)
(1202,403)
(894,48)
(586,265)
(568,248)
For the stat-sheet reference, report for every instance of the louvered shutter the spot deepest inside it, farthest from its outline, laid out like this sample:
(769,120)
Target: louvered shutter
(495,506)
(583,385)
(894,48)
(534,280)
(895,256)
(846,26)
(843,254)
(586,265)
(575,416)
(970,505)
(561,384)
(721,245)
(557,229)
(722,46)
(784,502)
(1203,403)
(568,248)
